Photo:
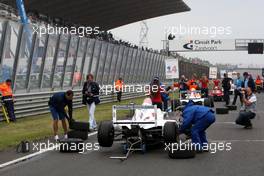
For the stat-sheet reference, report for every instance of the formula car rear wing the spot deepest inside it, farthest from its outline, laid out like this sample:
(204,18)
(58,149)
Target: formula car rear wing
(132,107)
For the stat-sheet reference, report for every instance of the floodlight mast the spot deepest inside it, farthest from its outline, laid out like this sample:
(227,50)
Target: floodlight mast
(143,35)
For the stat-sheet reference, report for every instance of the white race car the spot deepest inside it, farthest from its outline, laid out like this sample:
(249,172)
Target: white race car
(196,97)
(148,126)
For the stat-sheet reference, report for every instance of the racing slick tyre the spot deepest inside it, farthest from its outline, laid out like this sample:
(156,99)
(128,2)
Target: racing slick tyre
(183,152)
(106,134)
(78,134)
(79,126)
(70,145)
(223,110)
(170,132)
(232,107)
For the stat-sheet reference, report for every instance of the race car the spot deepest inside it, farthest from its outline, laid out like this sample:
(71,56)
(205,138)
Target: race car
(196,97)
(217,94)
(148,126)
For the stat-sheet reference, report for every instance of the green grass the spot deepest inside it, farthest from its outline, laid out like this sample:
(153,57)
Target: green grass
(40,126)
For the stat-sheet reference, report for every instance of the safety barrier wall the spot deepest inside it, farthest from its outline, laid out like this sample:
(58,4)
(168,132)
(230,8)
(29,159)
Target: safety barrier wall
(40,65)
(48,62)
(37,103)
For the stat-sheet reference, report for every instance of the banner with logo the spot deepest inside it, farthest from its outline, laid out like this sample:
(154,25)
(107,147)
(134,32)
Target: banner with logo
(213,72)
(202,45)
(172,68)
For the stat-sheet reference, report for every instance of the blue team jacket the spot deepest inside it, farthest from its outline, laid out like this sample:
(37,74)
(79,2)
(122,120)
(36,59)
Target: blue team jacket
(193,113)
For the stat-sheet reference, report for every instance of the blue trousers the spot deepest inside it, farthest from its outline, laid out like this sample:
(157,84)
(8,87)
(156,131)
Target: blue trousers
(198,130)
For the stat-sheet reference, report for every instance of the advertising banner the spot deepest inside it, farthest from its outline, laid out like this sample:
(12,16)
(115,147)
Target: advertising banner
(202,45)
(172,68)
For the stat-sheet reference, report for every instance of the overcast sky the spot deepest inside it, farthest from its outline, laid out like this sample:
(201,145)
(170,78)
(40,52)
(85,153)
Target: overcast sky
(244,17)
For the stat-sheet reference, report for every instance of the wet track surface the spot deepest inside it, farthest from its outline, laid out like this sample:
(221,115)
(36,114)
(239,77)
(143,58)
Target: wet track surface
(245,157)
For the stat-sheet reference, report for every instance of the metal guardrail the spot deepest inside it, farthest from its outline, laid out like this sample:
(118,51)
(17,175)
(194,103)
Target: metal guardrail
(37,103)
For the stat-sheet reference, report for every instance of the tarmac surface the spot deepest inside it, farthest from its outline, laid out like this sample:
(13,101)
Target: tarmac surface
(245,157)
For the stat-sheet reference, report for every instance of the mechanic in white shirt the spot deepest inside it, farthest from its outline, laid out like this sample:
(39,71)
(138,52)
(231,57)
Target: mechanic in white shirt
(248,110)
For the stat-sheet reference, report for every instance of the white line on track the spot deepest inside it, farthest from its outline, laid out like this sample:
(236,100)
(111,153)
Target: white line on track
(239,140)
(34,154)
(225,123)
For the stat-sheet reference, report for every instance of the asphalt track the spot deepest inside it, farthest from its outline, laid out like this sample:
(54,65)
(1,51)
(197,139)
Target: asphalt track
(245,158)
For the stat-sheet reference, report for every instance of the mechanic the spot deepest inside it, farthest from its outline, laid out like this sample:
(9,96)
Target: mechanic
(238,84)
(248,82)
(90,93)
(183,86)
(155,92)
(8,99)
(226,84)
(193,83)
(199,118)
(248,110)
(204,86)
(57,104)
(216,82)
(119,87)
(259,84)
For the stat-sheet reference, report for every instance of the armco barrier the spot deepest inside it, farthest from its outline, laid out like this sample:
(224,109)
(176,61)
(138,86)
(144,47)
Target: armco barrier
(37,103)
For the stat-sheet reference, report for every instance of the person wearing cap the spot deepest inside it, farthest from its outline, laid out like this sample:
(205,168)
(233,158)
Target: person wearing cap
(198,118)
(57,104)
(8,99)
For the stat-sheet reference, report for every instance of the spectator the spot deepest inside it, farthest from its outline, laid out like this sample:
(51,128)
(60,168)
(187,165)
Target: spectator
(248,82)
(90,93)
(226,84)
(8,99)
(238,84)
(57,104)
(248,110)
(204,86)
(119,88)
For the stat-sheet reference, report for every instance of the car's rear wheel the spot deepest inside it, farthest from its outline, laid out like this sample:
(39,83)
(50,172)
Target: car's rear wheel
(106,134)
(170,132)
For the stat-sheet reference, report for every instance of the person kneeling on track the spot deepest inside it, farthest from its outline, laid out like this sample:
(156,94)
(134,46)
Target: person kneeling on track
(248,110)
(199,118)
(57,104)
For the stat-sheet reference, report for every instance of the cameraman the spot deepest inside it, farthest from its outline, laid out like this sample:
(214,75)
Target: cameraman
(248,111)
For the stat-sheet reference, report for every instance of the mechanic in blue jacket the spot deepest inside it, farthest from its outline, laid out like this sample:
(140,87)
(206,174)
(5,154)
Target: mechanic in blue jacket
(198,118)
(57,104)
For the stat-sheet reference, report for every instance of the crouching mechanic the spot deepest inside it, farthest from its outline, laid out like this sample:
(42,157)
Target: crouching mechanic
(57,104)
(198,118)
(248,110)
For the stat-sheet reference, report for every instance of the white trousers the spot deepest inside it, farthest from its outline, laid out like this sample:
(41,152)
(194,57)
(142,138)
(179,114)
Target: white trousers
(91,110)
